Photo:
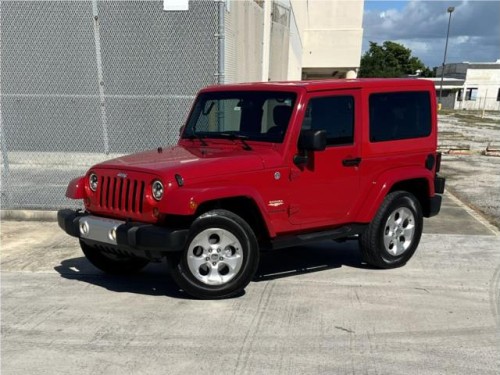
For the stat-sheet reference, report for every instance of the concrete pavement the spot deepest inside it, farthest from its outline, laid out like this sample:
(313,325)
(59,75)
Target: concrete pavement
(310,310)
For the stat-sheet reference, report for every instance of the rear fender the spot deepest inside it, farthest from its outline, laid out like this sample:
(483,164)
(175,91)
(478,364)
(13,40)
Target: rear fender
(383,185)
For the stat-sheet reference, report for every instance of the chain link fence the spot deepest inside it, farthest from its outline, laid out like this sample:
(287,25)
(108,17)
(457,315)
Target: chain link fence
(84,81)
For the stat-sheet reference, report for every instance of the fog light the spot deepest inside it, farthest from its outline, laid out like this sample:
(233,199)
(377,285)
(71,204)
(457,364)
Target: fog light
(84,228)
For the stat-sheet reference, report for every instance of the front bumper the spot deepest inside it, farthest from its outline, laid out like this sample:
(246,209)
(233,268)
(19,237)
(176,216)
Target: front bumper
(140,239)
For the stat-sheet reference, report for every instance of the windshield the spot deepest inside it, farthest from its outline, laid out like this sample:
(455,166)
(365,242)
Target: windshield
(245,115)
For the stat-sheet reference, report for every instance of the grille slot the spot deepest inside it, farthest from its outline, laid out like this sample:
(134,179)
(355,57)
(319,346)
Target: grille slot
(121,194)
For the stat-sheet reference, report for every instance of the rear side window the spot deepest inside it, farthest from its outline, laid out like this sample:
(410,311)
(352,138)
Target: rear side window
(399,115)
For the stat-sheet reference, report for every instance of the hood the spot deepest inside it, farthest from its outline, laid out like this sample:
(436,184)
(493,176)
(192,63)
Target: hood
(196,162)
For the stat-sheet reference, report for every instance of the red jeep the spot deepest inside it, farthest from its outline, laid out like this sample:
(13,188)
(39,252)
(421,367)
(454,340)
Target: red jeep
(266,166)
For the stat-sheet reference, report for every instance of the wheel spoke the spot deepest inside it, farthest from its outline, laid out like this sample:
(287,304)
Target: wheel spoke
(406,215)
(233,262)
(202,242)
(391,222)
(196,262)
(408,233)
(387,241)
(226,239)
(399,248)
(214,277)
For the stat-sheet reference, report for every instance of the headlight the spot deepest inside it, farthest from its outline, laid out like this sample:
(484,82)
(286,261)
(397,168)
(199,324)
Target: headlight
(93,181)
(157,190)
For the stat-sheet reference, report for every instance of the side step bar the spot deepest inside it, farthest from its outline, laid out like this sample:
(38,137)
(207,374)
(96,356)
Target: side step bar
(307,238)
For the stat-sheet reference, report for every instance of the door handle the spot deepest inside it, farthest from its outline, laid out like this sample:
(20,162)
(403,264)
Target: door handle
(354,162)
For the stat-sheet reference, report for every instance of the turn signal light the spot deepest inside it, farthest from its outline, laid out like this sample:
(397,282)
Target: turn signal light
(193,205)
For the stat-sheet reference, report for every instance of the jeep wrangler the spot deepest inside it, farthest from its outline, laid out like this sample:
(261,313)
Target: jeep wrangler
(266,166)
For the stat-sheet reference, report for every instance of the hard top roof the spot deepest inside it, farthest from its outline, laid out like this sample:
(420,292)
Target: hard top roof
(321,85)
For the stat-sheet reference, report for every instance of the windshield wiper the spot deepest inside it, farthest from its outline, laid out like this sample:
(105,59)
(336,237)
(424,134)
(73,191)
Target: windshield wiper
(241,138)
(194,135)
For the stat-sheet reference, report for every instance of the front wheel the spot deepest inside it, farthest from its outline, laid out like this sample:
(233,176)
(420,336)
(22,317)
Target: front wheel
(220,258)
(394,233)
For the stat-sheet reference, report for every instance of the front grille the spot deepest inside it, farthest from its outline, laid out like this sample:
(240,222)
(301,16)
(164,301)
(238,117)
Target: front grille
(121,194)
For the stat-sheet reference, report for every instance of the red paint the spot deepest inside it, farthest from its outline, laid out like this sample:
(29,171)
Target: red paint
(290,198)
(75,189)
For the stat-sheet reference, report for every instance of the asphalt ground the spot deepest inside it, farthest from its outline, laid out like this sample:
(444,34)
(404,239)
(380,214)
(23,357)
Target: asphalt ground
(310,310)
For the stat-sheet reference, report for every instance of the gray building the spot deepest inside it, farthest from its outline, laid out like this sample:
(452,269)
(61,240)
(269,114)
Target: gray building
(470,86)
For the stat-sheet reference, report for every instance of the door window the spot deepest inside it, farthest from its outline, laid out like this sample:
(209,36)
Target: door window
(335,114)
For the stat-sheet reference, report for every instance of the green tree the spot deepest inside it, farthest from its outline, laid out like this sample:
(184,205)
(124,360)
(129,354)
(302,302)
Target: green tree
(391,60)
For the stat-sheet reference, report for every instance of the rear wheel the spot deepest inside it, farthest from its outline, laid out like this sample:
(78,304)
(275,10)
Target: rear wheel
(394,233)
(111,263)
(220,258)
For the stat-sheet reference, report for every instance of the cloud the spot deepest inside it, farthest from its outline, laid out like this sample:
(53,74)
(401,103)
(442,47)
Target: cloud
(421,26)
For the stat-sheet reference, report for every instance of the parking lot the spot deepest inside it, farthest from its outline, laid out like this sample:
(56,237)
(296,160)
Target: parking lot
(310,310)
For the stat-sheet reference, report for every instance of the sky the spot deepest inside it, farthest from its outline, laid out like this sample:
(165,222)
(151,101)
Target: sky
(421,26)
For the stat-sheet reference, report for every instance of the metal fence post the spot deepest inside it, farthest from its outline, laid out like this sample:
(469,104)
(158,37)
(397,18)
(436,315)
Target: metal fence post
(100,77)
(4,182)
(266,42)
(221,40)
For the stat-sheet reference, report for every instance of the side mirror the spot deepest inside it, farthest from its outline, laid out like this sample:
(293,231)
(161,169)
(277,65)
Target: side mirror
(312,140)
(309,140)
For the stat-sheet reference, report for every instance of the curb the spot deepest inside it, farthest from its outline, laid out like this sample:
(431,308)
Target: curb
(28,215)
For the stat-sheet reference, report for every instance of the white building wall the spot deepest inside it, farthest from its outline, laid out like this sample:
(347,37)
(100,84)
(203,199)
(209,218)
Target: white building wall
(332,48)
(243,41)
(485,86)
(321,39)
(331,33)
(245,54)
(295,50)
(278,57)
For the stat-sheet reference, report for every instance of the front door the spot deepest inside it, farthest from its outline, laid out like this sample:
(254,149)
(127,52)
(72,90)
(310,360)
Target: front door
(324,191)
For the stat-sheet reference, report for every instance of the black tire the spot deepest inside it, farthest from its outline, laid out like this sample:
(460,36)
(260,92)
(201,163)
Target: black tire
(113,264)
(220,258)
(394,233)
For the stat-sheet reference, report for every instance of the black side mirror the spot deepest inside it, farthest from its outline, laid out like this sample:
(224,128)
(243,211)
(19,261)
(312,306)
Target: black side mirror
(309,140)
(312,140)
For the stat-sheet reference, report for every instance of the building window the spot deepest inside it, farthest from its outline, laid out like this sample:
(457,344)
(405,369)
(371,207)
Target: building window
(471,94)
(498,95)
(460,95)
